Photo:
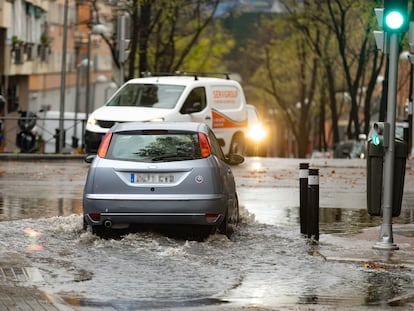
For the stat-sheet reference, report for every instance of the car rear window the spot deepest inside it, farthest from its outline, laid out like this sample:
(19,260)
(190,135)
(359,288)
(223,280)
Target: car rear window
(154,146)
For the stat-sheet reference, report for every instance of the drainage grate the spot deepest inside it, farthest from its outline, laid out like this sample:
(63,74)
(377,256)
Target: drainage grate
(13,274)
(19,274)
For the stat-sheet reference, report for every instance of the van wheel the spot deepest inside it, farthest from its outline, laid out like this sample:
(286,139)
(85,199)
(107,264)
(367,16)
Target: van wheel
(238,144)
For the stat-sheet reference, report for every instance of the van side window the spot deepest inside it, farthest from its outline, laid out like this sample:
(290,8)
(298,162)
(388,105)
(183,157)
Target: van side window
(195,102)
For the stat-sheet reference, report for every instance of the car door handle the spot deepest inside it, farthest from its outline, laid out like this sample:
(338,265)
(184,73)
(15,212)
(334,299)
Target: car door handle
(208,118)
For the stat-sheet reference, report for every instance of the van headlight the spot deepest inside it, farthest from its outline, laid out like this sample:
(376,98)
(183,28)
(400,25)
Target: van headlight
(92,121)
(257,132)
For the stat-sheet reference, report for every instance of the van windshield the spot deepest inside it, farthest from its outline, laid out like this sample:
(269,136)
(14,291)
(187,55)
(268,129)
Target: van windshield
(147,95)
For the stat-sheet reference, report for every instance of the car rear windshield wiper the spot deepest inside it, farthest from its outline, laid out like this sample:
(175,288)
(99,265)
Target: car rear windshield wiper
(174,157)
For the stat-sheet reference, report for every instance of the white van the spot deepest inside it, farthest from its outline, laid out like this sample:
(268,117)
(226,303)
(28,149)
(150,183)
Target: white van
(218,102)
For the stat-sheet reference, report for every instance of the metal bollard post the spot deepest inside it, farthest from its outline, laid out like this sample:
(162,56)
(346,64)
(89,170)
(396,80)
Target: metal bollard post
(303,196)
(57,140)
(313,204)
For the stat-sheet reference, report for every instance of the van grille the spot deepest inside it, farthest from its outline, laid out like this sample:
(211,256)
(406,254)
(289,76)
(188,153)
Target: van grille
(106,124)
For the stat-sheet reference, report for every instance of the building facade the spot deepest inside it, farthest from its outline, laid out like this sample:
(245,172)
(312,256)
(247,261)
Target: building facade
(31,57)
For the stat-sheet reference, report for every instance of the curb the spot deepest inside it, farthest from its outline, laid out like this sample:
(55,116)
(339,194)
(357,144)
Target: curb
(40,156)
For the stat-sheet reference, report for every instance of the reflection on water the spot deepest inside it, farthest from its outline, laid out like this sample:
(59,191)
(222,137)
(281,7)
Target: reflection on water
(13,208)
(336,220)
(278,211)
(338,212)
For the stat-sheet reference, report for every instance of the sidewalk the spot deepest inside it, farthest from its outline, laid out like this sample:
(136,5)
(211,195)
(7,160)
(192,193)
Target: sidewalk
(39,157)
(17,287)
(359,249)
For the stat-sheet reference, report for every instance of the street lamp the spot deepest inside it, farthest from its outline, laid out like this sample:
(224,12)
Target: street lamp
(97,29)
(84,63)
(59,134)
(75,140)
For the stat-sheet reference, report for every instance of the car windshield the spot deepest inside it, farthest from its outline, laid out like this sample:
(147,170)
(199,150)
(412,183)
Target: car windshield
(147,95)
(154,146)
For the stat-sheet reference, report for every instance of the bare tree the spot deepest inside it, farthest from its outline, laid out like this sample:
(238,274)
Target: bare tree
(353,27)
(289,83)
(165,31)
(162,32)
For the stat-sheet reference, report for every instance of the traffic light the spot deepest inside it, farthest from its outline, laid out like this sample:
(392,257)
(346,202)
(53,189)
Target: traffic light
(123,43)
(395,18)
(380,134)
(123,50)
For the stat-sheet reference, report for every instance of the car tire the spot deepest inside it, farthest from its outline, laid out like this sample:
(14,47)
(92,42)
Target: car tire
(236,216)
(227,226)
(223,228)
(238,144)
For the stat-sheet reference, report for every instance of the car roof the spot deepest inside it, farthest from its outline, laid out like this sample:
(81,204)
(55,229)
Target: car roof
(181,80)
(178,126)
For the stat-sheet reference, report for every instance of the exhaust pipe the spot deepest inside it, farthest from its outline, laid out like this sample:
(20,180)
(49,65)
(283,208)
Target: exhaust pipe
(108,223)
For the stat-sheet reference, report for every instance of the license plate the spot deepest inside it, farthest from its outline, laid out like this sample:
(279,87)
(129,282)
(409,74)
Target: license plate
(150,178)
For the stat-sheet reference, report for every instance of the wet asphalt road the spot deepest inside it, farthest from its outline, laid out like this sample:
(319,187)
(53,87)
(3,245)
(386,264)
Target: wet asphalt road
(267,264)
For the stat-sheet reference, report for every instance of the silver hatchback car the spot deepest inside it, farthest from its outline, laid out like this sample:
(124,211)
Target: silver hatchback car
(161,173)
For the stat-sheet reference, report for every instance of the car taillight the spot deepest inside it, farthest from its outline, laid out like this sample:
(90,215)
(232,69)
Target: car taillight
(103,147)
(211,218)
(204,145)
(95,216)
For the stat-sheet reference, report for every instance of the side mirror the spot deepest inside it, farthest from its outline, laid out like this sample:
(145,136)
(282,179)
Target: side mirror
(234,159)
(89,158)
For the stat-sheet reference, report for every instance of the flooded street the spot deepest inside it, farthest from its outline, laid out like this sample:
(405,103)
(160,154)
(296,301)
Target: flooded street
(266,264)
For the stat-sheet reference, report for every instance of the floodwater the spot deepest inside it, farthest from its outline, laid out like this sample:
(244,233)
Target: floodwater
(266,264)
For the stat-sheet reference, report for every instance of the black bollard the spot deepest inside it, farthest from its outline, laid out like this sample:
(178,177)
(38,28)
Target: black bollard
(313,204)
(303,195)
(57,140)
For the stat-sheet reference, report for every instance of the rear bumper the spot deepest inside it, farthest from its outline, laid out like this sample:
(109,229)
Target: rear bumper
(171,209)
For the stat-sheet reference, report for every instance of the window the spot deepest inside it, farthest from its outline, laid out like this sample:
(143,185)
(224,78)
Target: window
(195,102)
(154,146)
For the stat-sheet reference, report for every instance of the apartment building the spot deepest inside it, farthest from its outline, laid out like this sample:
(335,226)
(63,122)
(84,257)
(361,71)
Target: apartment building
(31,57)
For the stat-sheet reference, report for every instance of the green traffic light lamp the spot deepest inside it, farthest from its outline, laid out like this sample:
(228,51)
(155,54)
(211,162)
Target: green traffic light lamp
(395,18)
(376,140)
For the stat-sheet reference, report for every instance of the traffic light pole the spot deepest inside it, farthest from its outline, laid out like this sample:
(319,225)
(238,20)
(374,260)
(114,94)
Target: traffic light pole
(386,240)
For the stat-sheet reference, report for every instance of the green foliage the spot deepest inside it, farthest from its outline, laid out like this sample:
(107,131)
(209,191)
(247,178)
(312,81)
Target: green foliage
(208,53)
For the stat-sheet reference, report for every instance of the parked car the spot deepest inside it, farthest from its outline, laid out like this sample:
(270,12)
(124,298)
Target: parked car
(171,173)
(256,142)
(351,149)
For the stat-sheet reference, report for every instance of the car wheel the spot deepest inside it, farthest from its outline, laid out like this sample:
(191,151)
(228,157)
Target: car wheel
(238,144)
(226,227)
(223,228)
(236,212)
